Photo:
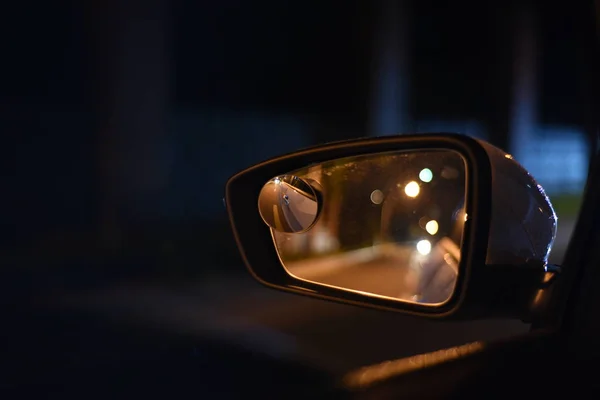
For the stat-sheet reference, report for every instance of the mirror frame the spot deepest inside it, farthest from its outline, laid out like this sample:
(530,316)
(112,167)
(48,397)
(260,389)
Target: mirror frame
(253,236)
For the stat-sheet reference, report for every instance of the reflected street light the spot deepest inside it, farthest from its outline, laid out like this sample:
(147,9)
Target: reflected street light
(412,189)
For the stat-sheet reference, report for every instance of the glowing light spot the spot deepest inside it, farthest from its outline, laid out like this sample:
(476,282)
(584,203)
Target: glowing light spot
(377,196)
(432,227)
(424,247)
(508,156)
(412,189)
(426,175)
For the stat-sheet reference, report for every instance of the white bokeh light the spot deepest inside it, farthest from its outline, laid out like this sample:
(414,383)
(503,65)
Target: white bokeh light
(412,189)
(432,227)
(426,175)
(424,247)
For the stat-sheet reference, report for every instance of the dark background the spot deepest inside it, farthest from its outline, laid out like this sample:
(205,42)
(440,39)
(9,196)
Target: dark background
(121,122)
(122,115)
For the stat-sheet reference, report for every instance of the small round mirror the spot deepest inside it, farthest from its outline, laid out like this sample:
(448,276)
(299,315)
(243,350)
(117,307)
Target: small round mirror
(288,204)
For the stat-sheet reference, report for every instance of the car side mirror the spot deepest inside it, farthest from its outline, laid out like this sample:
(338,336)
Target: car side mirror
(440,225)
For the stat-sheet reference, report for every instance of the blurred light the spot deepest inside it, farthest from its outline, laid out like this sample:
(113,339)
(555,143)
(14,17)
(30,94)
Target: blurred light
(377,196)
(277,181)
(432,227)
(426,175)
(449,173)
(466,216)
(434,212)
(508,156)
(424,247)
(412,189)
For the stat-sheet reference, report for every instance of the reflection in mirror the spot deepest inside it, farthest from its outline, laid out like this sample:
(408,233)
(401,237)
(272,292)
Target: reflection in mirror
(288,204)
(387,224)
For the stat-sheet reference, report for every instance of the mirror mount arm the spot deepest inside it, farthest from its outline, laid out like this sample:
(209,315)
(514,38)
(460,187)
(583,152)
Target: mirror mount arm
(510,290)
(553,270)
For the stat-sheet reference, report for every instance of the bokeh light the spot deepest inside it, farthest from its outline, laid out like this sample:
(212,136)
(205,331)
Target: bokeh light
(424,247)
(432,227)
(426,175)
(412,189)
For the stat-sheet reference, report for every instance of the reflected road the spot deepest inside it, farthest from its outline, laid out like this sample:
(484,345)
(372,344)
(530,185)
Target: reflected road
(379,275)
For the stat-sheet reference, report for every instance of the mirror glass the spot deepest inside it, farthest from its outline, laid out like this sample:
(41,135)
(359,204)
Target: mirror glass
(387,224)
(289,204)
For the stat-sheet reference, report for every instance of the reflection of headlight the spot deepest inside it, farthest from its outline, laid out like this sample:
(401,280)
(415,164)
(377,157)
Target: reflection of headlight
(424,247)
(432,227)
(412,189)
(426,175)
